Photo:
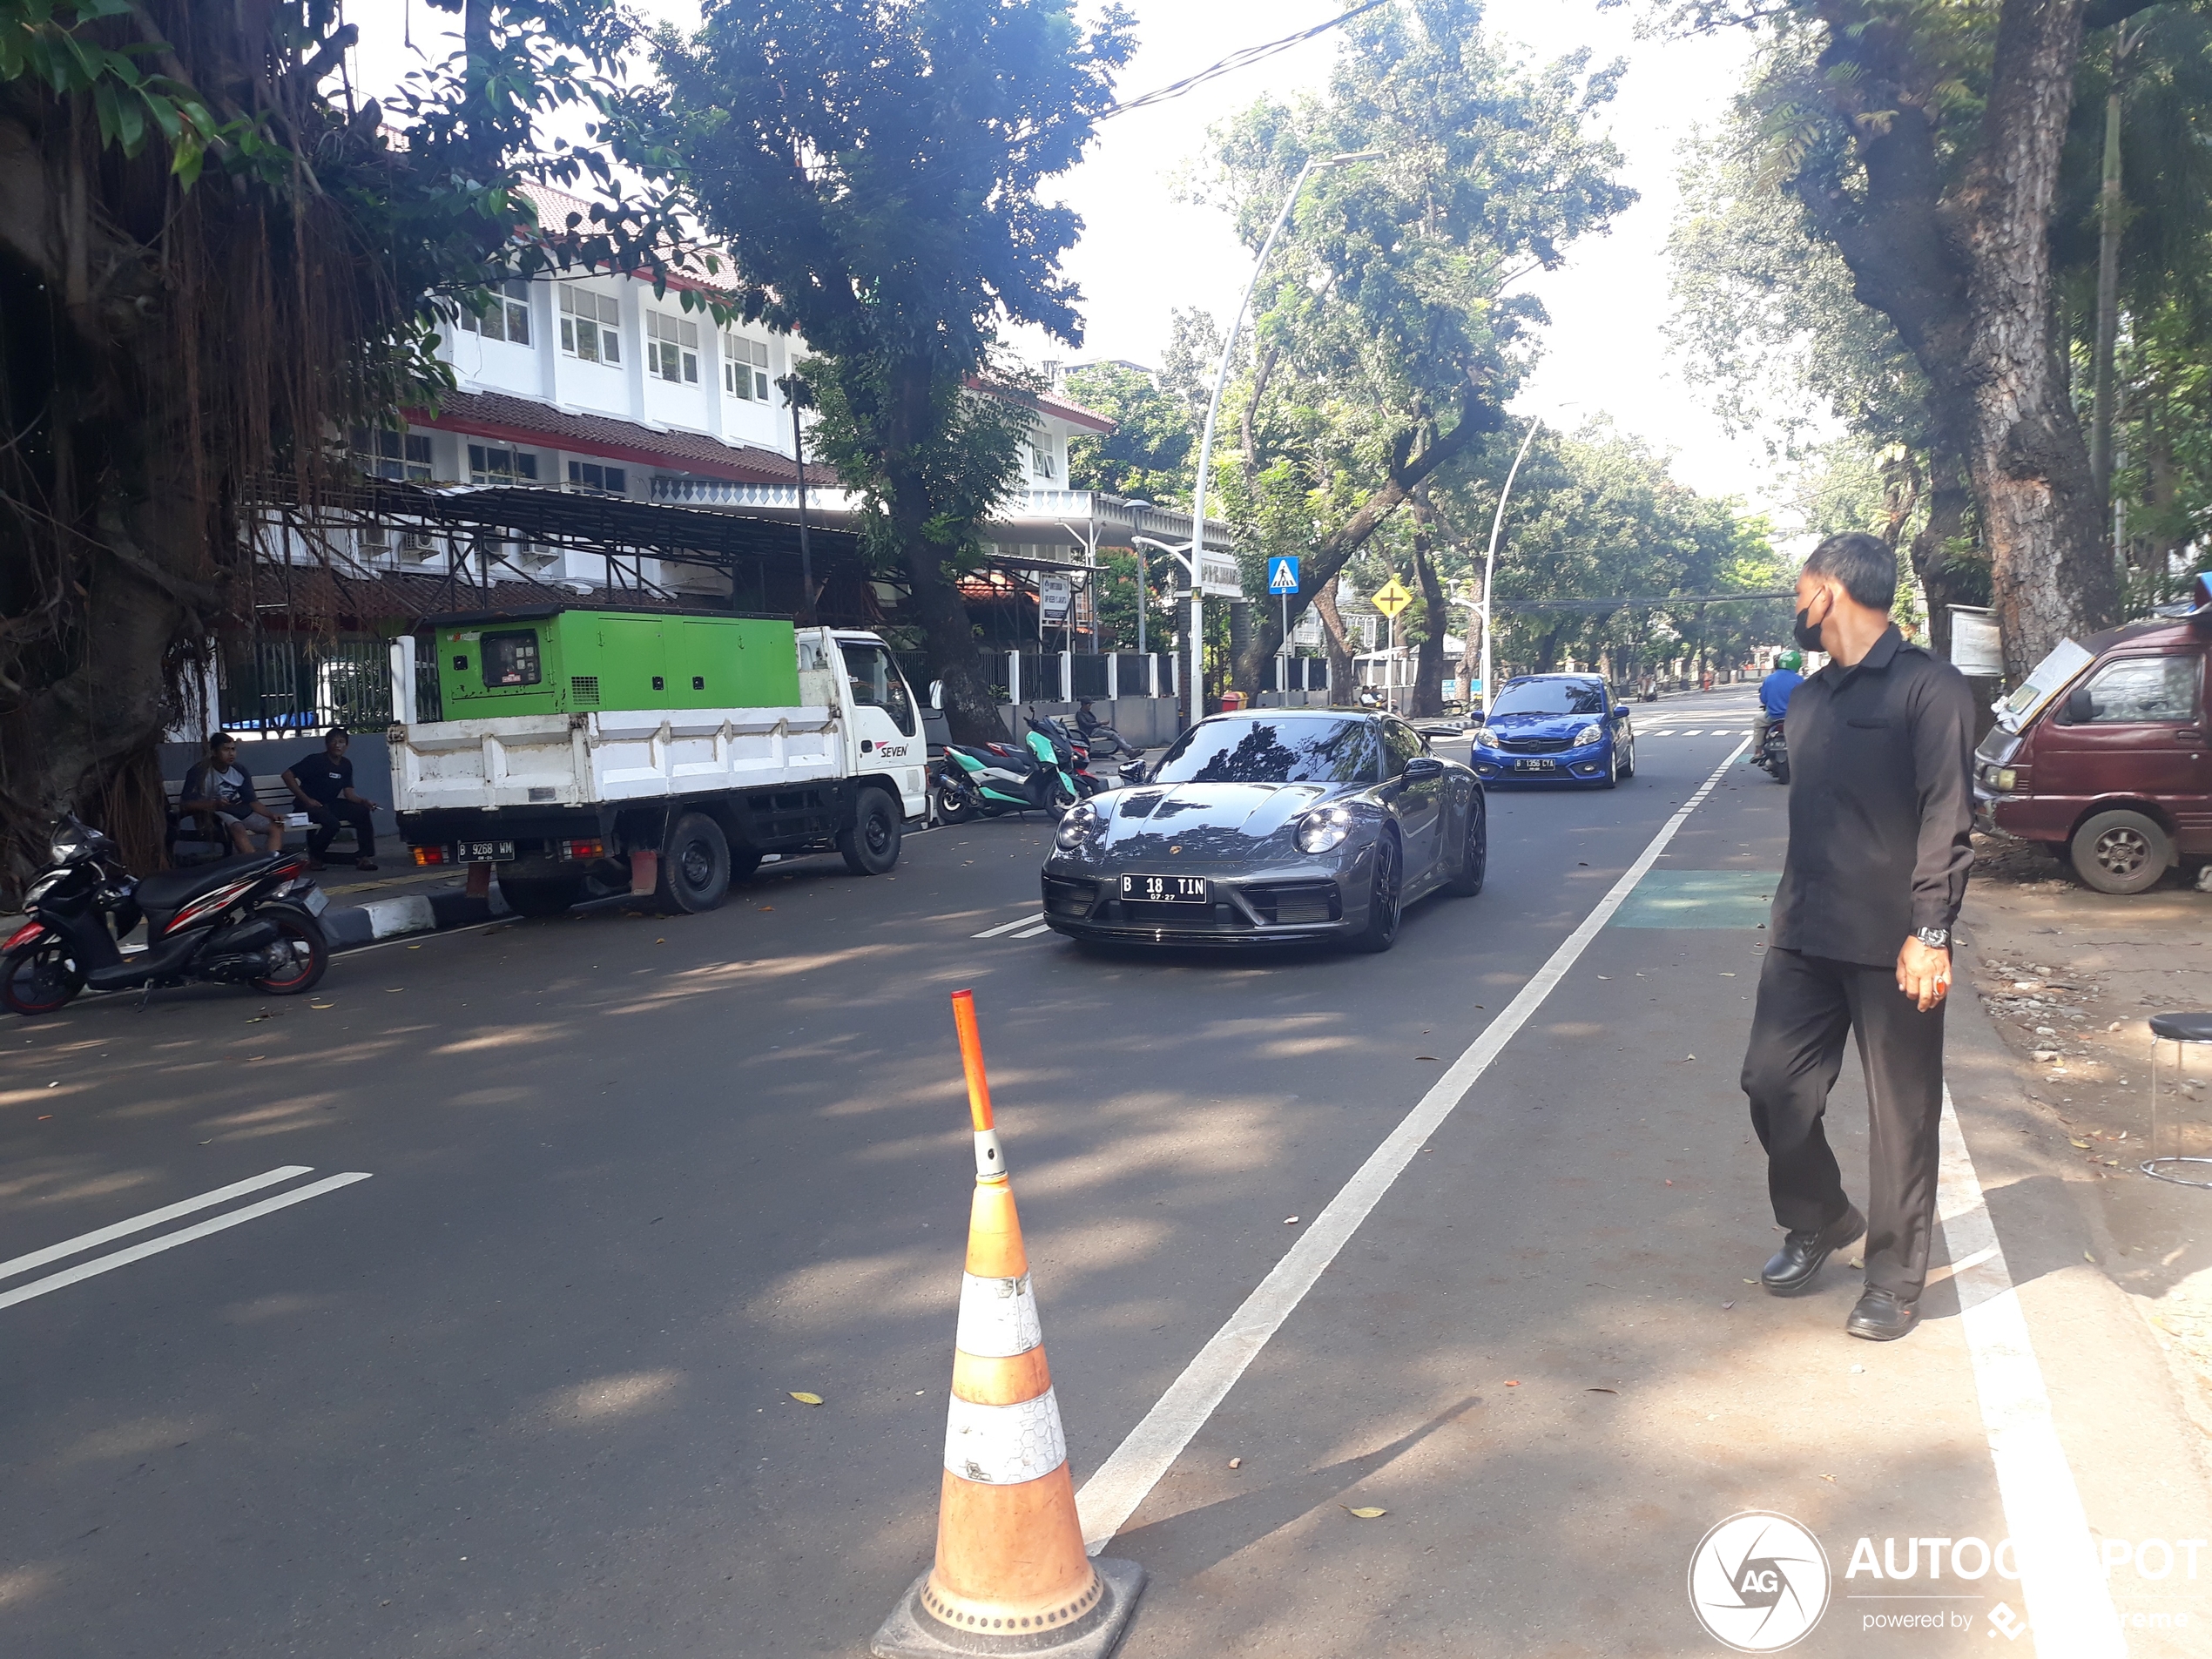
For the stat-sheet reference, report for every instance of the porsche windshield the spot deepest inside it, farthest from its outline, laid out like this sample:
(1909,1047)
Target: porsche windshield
(1551,697)
(1271,751)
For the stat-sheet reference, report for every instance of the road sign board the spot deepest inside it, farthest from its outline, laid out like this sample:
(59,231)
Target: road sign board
(1392,597)
(1219,576)
(1054,592)
(1282,575)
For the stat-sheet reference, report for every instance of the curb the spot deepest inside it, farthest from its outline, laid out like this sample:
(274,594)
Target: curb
(352,926)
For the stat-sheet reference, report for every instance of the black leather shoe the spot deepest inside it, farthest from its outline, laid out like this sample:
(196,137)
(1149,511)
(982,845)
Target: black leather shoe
(1794,1267)
(1882,1316)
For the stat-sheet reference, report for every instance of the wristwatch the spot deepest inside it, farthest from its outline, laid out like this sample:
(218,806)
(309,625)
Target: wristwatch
(1933,938)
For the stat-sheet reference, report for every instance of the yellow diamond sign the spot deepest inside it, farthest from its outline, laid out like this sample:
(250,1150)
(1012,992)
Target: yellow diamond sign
(1392,598)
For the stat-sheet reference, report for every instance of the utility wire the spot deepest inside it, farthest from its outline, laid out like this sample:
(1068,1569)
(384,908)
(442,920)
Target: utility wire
(1665,599)
(1238,60)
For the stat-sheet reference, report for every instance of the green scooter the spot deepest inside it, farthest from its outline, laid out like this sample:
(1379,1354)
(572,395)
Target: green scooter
(994,780)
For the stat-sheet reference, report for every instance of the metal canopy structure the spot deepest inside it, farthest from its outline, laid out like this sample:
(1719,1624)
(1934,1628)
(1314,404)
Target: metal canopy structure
(760,558)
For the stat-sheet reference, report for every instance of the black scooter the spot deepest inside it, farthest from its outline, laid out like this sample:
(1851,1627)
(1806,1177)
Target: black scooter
(242,920)
(1773,757)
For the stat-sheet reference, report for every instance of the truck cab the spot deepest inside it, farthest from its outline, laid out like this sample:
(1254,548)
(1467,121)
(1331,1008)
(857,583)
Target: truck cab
(2105,761)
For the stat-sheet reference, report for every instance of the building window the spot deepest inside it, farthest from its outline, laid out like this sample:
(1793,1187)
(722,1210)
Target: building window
(509,319)
(1041,461)
(590,326)
(672,348)
(589,474)
(488,464)
(382,452)
(745,368)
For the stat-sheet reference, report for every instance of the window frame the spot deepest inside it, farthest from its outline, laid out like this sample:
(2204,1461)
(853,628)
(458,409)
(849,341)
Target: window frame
(598,329)
(2192,676)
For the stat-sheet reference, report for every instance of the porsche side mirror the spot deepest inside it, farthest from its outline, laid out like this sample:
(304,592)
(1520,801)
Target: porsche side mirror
(1423,769)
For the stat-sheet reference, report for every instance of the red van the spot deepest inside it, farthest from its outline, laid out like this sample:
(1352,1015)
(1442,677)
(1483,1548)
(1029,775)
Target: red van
(2105,761)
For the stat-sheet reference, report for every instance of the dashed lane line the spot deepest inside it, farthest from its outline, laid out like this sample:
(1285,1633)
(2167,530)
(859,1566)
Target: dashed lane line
(1007,926)
(1041,927)
(100,1265)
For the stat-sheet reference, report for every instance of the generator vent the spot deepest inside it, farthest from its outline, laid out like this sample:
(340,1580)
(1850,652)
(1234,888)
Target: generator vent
(584,688)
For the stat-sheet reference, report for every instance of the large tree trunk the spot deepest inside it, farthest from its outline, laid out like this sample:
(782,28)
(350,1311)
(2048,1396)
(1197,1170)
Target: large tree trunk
(1342,671)
(948,637)
(1932,561)
(2109,207)
(1966,282)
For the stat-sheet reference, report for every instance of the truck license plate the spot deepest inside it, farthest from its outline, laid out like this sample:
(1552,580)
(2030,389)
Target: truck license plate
(1165,889)
(1534,766)
(484,851)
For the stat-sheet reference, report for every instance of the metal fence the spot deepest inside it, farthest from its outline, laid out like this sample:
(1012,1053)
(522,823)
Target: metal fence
(286,683)
(1297,674)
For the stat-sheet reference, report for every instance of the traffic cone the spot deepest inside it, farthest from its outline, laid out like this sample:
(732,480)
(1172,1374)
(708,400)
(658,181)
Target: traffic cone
(1011,1575)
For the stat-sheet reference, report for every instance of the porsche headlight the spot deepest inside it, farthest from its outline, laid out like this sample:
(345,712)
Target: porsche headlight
(1077,827)
(1589,734)
(1323,828)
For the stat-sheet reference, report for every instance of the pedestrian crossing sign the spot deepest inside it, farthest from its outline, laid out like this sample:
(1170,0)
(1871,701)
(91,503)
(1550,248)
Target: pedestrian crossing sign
(1393,597)
(1282,574)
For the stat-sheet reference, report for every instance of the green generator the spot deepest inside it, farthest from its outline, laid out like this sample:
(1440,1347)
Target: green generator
(558,661)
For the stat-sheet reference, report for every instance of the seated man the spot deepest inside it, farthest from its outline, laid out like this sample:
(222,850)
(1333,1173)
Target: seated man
(323,784)
(221,792)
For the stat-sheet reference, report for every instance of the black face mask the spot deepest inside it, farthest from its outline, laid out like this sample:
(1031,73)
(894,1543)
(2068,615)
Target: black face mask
(1808,633)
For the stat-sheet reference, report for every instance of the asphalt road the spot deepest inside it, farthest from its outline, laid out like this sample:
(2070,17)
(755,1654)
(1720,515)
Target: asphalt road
(631,1181)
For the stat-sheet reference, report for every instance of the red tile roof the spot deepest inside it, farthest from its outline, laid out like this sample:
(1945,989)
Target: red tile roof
(520,420)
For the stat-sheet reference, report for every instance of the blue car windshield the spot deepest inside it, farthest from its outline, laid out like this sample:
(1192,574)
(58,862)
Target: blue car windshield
(1551,697)
(1271,751)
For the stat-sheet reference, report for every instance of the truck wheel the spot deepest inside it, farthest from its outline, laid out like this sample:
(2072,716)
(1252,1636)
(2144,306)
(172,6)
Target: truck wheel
(2122,852)
(695,870)
(870,845)
(541,895)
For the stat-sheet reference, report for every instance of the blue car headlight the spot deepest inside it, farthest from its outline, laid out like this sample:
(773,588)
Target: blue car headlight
(1589,735)
(1323,828)
(1077,829)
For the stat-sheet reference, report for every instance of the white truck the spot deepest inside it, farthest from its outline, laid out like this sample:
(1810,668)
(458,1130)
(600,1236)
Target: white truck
(600,754)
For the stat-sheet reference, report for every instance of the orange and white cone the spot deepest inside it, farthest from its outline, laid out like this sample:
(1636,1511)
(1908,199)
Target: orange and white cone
(1011,1574)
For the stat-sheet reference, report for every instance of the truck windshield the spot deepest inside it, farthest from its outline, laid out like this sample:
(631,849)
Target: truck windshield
(511,658)
(1271,751)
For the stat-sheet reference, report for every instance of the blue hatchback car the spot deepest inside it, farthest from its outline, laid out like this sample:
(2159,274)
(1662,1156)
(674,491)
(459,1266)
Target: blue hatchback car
(1555,729)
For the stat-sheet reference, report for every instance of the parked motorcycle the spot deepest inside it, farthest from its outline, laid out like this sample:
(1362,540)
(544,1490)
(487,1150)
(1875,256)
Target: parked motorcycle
(1073,753)
(1650,691)
(243,921)
(1105,743)
(991,779)
(1773,757)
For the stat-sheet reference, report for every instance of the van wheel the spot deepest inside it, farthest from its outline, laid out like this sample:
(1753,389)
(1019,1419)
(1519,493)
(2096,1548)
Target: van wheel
(2122,852)
(870,845)
(695,870)
(541,895)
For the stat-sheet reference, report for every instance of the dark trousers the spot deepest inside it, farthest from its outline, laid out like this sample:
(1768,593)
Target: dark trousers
(1807,1005)
(330,817)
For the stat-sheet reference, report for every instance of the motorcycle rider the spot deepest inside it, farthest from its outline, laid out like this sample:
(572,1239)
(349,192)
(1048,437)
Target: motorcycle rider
(1774,697)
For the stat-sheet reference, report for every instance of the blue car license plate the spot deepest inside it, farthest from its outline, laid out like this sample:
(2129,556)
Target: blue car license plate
(1165,889)
(1536,766)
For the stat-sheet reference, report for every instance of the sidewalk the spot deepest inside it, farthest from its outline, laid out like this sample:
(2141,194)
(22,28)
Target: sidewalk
(2070,978)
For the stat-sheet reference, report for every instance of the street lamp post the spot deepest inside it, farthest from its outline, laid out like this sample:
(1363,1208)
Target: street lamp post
(1185,556)
(1490,559)
(1213,409)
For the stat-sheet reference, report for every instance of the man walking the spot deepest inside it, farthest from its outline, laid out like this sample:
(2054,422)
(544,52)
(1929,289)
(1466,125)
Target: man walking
(1881,752)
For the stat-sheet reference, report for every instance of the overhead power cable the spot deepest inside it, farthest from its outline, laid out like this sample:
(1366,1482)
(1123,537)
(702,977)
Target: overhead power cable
(1238,60)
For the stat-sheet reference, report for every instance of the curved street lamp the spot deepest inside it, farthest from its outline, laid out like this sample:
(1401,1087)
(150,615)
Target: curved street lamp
(1213,408)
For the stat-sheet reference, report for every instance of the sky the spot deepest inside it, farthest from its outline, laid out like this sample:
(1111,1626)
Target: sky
(1143,254)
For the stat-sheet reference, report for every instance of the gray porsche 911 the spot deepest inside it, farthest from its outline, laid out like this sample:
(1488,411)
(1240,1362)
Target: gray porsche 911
(1270,827)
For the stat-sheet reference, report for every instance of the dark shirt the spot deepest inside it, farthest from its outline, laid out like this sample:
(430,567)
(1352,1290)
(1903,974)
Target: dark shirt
(323,776)
(1775,689)
(1881,805)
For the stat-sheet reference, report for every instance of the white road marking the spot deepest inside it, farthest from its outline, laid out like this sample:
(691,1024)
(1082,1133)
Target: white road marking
(2069,1601)
(151,1218)
(1111,1495)
(1041,927)
(100,1265)
(1007,927)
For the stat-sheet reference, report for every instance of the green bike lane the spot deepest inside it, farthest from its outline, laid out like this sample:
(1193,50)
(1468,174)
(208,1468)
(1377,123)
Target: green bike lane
(1545,1358)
